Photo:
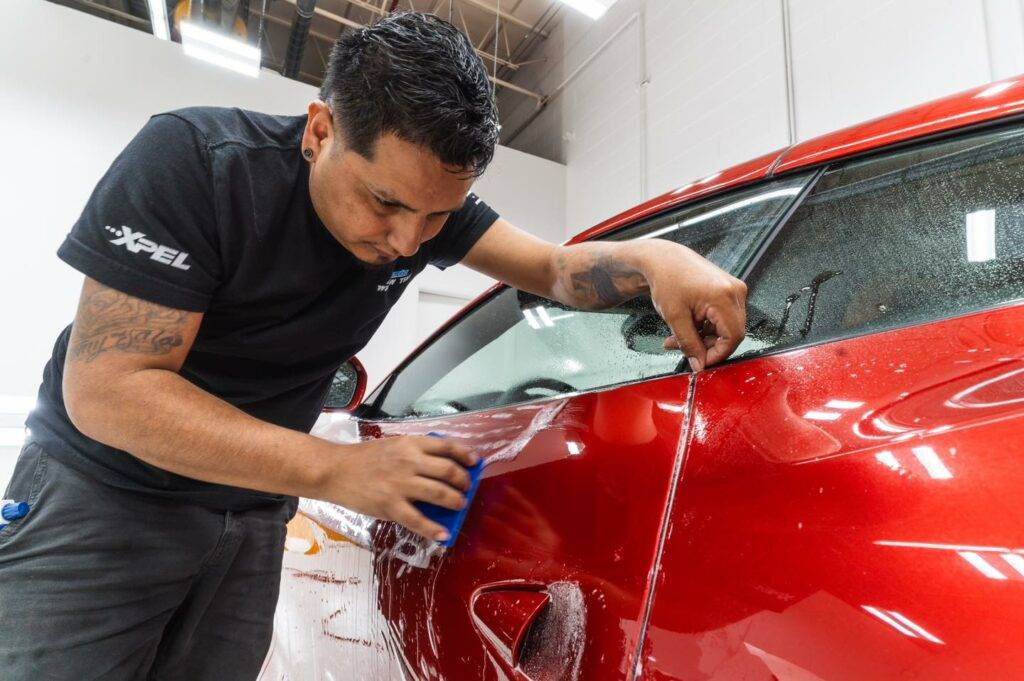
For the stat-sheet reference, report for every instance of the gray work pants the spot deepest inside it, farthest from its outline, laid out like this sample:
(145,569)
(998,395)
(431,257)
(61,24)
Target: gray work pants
(102,583)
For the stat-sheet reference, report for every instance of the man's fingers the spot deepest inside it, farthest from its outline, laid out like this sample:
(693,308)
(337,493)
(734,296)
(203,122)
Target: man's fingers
(444,470)
(671,343)
(406,515)
(730,329)
(689,342)
(439,446)
(435,492)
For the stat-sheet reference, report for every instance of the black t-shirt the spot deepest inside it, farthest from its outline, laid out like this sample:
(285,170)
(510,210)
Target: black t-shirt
(208,210)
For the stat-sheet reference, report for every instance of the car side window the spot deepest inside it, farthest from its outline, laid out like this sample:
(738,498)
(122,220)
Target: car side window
(893,240)
(517,347)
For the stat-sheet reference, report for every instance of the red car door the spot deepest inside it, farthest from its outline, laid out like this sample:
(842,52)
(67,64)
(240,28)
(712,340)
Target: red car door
(580,417)
(558,543)
(849,506)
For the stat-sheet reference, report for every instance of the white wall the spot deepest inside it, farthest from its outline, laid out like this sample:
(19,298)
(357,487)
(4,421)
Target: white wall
(694,86)
(69,105)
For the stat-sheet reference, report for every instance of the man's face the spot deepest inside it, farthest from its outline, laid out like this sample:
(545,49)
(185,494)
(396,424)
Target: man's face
(384,208)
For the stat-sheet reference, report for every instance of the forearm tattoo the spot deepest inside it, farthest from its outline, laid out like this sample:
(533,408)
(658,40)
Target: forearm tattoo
(110,320)
(601,281)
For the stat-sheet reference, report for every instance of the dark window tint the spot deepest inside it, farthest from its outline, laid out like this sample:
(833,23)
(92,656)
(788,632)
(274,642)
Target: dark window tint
(912,236)
(517,347)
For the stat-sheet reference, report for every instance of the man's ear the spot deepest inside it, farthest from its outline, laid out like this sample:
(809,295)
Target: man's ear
(319,136)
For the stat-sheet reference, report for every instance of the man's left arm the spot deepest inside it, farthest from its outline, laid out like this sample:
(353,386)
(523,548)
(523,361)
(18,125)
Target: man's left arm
(703,305)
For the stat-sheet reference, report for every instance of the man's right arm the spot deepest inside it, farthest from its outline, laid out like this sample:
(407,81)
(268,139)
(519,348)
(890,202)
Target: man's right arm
(122,388)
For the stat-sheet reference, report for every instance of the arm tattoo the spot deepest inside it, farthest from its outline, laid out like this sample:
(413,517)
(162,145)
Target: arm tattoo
(603,282)
(111,320)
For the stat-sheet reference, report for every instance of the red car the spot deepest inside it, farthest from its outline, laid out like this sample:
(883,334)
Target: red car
(842,499)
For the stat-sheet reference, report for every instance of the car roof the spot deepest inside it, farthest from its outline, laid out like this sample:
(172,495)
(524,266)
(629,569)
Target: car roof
(978,105)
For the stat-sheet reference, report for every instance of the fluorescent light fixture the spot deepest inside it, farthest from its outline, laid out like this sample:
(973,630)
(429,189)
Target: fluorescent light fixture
(981,565)
(158,19)
(594,9)
(981,235)
(932,463)
(220,50)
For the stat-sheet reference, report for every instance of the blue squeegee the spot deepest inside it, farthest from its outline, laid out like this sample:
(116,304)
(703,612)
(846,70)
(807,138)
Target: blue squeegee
(452,520)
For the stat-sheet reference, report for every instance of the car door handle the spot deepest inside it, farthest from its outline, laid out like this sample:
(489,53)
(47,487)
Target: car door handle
(502,614)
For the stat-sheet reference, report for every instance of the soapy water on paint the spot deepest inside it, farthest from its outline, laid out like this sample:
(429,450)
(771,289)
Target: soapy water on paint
(376,545)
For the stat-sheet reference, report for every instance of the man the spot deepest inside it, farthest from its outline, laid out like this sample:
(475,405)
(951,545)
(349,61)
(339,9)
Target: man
(232,263)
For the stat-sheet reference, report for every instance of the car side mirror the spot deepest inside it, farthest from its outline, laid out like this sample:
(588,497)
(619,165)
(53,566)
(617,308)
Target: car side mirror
(645,332)
(347,387)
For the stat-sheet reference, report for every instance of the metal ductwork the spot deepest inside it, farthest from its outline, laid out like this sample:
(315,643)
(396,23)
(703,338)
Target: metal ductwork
(297,40)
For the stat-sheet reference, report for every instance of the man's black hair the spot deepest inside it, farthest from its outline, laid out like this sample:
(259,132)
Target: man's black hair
(416,76)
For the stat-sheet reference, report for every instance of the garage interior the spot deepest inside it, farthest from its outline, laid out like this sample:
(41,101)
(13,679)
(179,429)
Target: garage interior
(603,106)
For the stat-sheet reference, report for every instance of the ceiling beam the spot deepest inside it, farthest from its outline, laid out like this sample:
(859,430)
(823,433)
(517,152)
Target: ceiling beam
(512,19)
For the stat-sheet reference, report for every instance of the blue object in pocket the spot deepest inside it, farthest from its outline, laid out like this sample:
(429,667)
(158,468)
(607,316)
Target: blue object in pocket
(452,520)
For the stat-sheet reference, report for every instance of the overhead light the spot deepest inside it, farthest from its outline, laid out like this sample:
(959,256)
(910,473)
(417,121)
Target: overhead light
(220,50)
(981,235)
(158,19)
(594,9)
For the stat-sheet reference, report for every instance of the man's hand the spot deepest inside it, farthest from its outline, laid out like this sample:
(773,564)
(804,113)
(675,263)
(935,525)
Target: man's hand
(382,478)
(703,305)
